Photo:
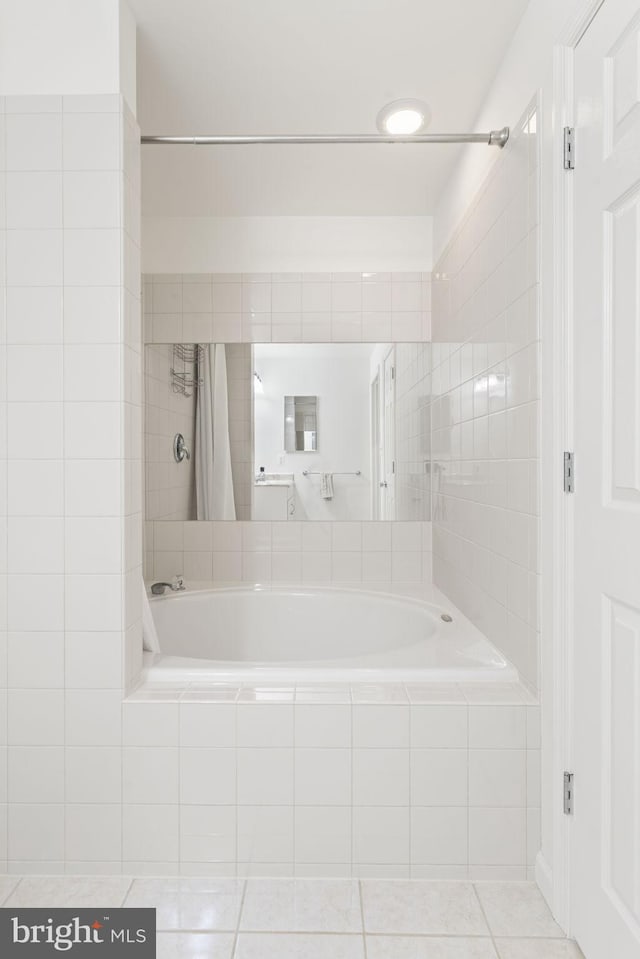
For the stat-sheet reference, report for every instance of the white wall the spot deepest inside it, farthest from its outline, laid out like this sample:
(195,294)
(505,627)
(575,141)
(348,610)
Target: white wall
(286,244)
(339,376)
(526,67)
(67,47)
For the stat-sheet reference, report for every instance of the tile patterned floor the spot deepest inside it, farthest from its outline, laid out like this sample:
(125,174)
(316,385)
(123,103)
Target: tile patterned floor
(318,918)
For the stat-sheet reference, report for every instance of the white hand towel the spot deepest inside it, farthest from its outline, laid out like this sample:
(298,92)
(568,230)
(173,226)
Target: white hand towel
(326,486)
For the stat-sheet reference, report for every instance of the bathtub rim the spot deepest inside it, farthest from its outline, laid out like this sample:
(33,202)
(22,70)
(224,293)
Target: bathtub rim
(432,606)
(193,670)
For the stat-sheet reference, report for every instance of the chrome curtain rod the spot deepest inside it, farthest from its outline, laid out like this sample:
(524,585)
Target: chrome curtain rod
(496,138)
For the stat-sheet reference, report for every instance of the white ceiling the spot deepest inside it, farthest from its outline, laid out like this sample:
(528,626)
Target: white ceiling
(308,66)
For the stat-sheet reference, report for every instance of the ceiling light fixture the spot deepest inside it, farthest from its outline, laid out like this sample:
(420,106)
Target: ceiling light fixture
(404,117)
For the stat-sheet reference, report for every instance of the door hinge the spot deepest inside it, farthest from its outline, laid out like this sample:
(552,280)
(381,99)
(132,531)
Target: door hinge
(393,467)
(393,372)
(568,794)
(569,470)
(569,148)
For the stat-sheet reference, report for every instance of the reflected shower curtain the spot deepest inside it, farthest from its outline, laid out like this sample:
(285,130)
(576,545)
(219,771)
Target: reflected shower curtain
(214,481)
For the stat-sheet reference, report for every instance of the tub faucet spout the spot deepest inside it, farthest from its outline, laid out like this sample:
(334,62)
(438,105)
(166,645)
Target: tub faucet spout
(176,586)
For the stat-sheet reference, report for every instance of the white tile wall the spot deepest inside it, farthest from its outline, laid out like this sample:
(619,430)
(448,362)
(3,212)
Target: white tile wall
(290,552)
(485,407)
(387,781)
(287,307)
(70,485)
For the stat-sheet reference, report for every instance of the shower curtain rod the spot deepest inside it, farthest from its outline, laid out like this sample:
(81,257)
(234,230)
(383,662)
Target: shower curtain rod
(496,138)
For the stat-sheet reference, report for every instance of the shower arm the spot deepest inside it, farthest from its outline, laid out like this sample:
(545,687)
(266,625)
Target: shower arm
(496,138)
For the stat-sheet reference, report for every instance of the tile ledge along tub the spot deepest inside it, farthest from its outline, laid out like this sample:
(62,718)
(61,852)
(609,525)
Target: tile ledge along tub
(316,635)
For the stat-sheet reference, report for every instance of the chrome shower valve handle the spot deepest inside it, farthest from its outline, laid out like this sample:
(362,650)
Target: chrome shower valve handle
(180,451)
(177,586)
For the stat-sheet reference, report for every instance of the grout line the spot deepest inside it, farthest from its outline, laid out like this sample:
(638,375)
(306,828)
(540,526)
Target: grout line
(293,783)
(4,899)
(418,936)
(234,706)
(319,933)
(352,843)
(412,805)
(129,888)
(245,883)
(468,751)
(493,941)
(525,751)
(64,534)
(364,937)
(180,802)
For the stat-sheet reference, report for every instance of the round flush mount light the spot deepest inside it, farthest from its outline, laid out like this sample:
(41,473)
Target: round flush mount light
(403,117)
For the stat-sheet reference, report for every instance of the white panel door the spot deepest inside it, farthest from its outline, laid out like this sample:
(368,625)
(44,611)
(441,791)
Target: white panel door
(605,842)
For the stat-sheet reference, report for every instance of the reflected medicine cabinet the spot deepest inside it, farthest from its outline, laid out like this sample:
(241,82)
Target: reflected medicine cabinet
(301,424)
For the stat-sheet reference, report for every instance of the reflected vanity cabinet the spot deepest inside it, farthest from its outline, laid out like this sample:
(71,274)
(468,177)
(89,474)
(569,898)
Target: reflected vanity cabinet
(271,502)
(274,497)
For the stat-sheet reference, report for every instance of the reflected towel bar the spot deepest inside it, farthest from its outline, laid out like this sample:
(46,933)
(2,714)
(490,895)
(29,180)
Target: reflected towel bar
(339,473)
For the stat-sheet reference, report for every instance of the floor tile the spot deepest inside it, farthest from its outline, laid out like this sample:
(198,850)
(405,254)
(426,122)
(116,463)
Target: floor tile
(73,891)
(302,905)
(195,945)
(271,945)
(433,947)
(517,909)
(197,904)
(538,949)
(421,907)
(7,885)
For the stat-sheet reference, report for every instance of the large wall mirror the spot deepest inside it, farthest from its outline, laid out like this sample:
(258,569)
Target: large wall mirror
(291,431)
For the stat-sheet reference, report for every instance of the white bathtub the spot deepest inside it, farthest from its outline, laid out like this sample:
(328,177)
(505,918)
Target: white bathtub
(300,635)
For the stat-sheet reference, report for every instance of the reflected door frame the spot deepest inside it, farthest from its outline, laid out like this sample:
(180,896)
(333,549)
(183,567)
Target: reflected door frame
(388,479)
(383,438)
(376,446)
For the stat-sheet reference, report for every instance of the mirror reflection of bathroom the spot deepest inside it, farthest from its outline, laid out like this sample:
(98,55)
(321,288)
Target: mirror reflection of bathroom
(291,431)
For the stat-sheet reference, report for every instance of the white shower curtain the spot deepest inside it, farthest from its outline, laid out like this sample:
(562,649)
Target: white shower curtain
(214,481)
